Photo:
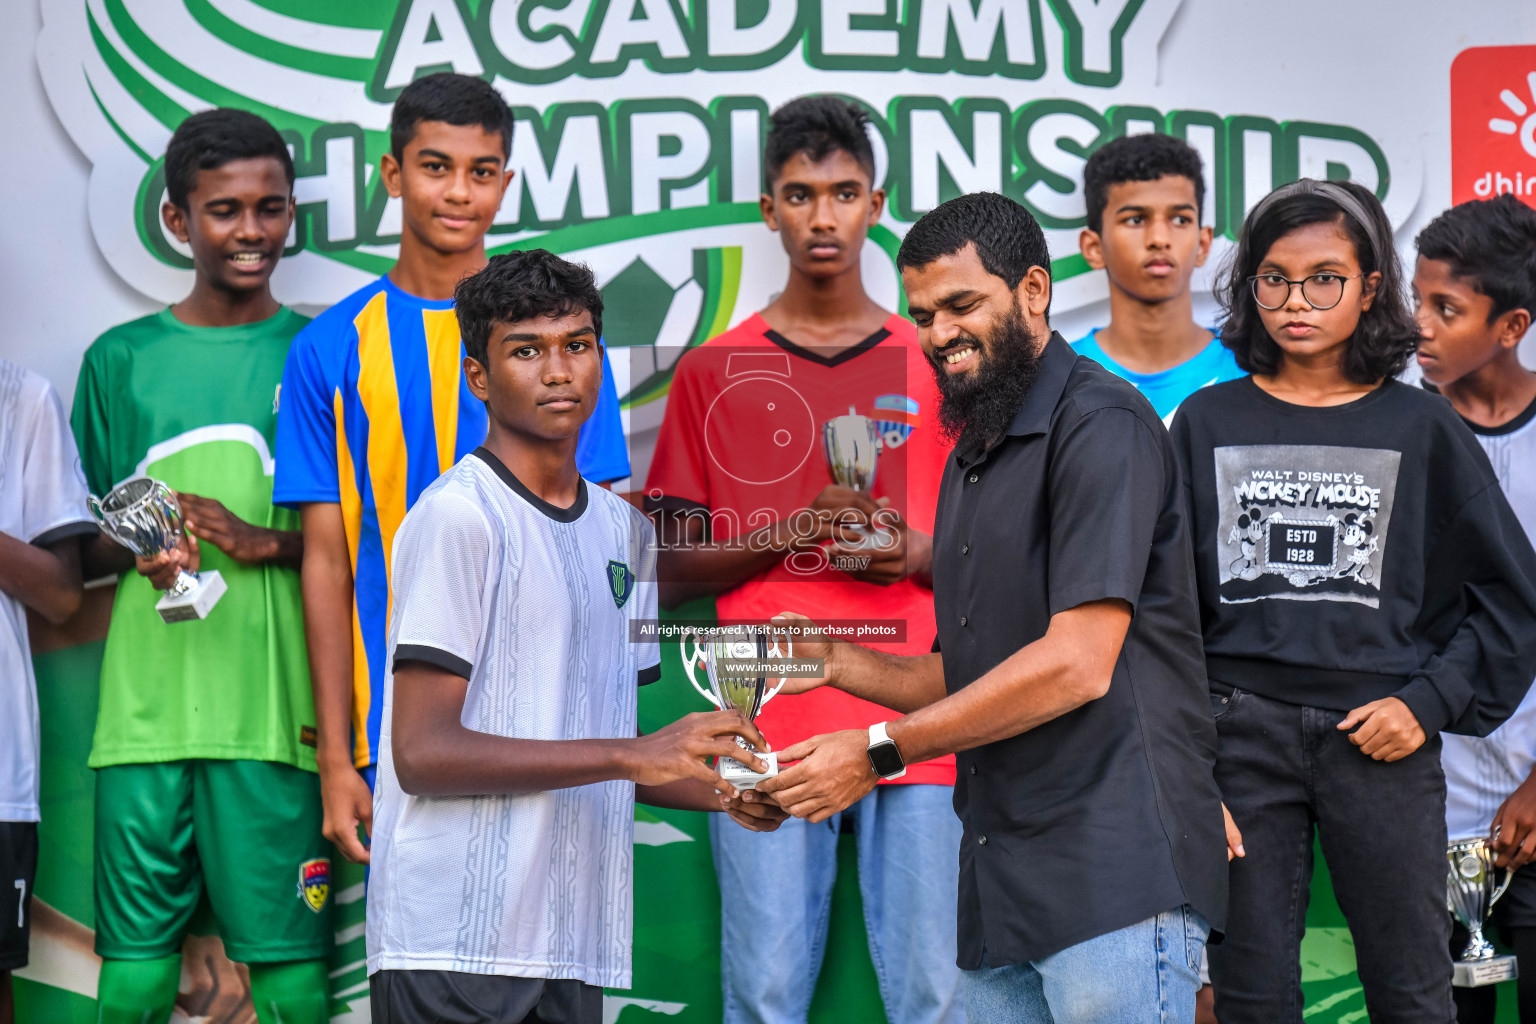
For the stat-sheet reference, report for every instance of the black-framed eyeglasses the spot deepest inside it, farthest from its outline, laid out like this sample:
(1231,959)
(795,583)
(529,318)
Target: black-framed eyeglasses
(1322,291)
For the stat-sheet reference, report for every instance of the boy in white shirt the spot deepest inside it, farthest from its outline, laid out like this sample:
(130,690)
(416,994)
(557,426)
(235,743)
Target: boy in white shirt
(42,516)
(1474,290)
(509,766)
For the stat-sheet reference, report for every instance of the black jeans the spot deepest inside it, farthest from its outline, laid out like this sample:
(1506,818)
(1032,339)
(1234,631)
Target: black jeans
(1283,769)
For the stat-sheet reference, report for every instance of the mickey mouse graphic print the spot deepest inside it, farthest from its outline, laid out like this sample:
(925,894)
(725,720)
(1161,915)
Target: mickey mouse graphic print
(1354,552)
(1303,522)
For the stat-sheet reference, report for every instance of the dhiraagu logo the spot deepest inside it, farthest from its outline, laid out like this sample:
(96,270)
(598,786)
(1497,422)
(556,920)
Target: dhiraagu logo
(640,126)
(1493,123)
(1524,125)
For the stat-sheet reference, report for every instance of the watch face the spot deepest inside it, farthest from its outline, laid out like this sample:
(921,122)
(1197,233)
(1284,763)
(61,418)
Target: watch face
(886,759)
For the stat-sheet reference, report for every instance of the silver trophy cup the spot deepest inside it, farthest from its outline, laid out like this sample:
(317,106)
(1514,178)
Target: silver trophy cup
(1471,892)
(142,515)
(735,686)
(852,445)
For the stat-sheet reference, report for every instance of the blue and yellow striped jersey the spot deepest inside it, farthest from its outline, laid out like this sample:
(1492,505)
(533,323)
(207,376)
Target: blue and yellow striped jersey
(373,408)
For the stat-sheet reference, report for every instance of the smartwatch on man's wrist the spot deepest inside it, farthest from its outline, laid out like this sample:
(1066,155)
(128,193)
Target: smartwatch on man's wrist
(884,758)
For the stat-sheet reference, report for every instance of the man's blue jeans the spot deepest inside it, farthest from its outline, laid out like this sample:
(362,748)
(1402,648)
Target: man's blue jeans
(1147,973)
(776,897)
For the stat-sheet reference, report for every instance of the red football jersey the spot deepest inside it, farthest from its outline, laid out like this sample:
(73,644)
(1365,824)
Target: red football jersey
(742,439)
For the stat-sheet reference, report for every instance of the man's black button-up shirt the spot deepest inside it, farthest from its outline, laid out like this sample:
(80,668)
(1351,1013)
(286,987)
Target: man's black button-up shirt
(1110,813)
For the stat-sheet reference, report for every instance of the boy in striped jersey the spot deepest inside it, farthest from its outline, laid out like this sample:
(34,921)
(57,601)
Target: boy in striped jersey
(375,407)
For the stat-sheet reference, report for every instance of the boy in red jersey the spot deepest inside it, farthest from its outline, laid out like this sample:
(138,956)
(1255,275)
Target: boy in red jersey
(749,513)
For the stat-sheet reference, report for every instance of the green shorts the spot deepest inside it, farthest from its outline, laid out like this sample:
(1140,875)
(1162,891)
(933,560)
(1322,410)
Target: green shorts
(247,831)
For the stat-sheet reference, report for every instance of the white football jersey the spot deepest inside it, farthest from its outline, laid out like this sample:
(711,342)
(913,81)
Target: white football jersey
(533,605)
(1481,772)
(42,500)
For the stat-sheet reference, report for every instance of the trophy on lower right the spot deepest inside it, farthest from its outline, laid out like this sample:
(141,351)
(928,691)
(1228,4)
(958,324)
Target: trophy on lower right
(1471,890)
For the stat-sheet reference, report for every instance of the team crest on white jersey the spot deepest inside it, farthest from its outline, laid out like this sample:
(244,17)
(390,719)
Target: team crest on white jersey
(621,582)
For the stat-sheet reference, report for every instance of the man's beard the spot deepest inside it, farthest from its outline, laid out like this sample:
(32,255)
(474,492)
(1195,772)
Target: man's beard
(977,406)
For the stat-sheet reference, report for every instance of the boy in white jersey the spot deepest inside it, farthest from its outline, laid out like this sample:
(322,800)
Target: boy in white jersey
(1474,287)
(508,758)
(1144,195)
(42,518)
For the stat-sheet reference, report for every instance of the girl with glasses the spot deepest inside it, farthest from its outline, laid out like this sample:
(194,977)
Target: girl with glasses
(1363,586)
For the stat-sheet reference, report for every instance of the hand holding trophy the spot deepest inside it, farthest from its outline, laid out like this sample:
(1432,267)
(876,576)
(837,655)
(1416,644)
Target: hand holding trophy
(734,659)
(142,515)
(852,446)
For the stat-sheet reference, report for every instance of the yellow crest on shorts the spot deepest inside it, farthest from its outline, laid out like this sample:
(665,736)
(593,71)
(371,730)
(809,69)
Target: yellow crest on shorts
(315,882)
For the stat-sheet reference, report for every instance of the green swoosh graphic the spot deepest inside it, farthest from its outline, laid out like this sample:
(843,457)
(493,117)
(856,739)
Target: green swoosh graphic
(147,50)
(160,106)
(127,141)
(237,35)
(340,13)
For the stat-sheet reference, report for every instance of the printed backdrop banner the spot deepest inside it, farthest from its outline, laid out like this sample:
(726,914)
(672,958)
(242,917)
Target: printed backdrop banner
(637,150)
(640,124)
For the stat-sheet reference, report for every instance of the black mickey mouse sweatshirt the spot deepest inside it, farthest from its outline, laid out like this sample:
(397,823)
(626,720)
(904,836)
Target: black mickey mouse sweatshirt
(1357,552)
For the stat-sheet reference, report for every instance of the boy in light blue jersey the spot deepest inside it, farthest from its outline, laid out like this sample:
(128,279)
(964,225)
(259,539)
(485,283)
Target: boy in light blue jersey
(1144,194)
(1167,389)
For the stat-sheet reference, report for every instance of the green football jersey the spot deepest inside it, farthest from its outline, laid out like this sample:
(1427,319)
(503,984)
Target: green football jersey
(196,407)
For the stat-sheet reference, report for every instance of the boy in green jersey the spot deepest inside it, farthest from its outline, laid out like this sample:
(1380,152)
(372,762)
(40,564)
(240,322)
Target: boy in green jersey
(204,740)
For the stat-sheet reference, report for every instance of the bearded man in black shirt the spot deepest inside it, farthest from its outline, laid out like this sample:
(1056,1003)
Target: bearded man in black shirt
(1068,674)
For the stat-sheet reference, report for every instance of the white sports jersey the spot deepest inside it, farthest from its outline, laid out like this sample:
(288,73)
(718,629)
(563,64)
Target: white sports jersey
(1480,773)
(42,500)
(532,604)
